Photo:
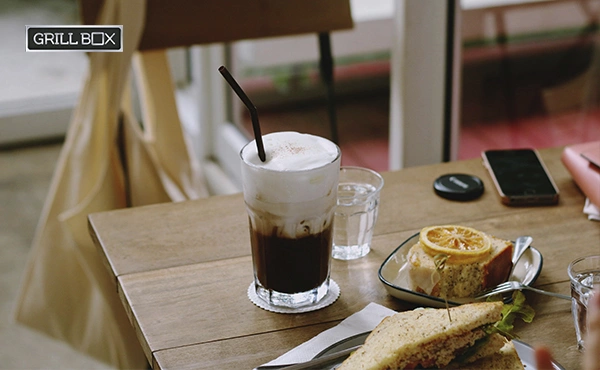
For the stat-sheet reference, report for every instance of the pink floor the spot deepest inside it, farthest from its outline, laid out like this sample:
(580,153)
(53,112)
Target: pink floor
(536,132)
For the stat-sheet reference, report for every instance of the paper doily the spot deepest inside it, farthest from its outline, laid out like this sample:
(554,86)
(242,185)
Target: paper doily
(331,296)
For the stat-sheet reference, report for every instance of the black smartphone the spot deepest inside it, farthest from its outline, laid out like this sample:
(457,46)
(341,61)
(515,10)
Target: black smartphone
(520,177)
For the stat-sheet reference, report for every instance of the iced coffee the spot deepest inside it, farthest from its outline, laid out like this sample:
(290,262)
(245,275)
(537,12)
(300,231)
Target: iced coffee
(290,200)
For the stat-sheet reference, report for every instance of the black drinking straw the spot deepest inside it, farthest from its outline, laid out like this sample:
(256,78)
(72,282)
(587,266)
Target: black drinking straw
(253,113)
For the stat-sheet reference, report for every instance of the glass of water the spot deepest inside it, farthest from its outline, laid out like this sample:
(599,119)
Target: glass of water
(356,212)
(584,274)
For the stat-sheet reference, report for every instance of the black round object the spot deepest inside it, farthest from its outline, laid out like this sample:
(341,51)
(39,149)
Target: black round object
(458,186)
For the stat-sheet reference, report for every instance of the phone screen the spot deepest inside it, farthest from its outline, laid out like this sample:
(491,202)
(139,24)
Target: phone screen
(519,172)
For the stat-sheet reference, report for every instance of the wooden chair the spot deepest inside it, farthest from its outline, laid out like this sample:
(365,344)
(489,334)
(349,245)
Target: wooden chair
(188,22)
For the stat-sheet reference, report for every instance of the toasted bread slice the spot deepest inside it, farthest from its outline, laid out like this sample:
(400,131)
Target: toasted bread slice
(425,337)
(505,359)
(460,280)
(493,344)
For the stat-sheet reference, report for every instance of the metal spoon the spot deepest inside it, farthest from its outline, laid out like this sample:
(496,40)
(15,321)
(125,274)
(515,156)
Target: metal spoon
(521,245)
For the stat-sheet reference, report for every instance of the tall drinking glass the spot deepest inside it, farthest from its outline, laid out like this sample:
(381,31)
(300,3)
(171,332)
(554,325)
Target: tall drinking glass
(290,199)
(584,274)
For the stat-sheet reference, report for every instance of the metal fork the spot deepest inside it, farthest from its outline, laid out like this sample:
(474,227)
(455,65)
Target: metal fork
(509,286)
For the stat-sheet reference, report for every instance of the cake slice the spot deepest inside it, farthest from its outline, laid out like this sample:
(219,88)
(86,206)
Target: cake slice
(460,280)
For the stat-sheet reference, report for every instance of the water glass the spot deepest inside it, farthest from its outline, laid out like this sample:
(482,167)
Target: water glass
(584,273)
(356,212)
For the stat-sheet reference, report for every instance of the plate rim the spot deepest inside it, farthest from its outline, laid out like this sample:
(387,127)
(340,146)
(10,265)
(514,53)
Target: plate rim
(430,297)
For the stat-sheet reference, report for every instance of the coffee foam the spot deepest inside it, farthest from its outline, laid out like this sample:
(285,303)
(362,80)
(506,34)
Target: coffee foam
(298,168)
(291,151)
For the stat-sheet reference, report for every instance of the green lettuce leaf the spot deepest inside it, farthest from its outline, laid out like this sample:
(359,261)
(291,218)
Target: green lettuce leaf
(510,311)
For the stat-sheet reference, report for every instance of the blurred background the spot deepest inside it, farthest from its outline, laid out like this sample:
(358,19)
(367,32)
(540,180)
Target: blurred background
(527,76)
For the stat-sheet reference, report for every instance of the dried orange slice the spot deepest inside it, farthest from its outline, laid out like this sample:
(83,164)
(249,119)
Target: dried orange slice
(462,244)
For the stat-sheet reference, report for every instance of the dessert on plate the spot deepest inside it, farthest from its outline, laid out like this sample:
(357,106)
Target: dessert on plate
(453,261)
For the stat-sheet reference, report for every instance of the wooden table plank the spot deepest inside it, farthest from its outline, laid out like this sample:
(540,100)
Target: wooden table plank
(212,296)
(237,353)
(172,234)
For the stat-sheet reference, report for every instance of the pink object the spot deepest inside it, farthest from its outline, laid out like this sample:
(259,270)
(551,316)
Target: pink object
(583,162)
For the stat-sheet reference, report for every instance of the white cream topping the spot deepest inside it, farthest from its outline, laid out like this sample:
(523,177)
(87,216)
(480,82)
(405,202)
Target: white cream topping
(291,151)
(299,168)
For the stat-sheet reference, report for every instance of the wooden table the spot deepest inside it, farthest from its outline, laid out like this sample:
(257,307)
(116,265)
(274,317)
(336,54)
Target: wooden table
(182,269)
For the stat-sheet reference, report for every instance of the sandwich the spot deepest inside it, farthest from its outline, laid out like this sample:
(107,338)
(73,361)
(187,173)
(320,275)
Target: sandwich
(506,358)
(469,336)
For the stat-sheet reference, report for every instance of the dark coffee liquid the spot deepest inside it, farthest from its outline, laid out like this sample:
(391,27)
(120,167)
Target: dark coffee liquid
(291,265)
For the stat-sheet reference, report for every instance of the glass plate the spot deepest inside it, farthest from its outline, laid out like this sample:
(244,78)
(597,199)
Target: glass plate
(395,278)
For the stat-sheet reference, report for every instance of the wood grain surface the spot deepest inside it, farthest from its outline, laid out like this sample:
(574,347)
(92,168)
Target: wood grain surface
(183,269)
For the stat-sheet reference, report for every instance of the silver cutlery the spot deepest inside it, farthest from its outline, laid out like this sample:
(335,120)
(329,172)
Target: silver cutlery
(521,245)
(510,286)
(316,363)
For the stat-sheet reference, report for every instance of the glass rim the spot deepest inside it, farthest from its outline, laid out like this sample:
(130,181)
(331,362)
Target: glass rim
(363,169)
(577,260)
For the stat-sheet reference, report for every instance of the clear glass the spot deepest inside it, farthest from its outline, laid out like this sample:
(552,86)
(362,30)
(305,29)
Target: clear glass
(291,229)
(585,275)
(356,212)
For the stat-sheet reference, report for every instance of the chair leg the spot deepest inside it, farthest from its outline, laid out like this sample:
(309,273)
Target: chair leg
(326,70)
(122,149)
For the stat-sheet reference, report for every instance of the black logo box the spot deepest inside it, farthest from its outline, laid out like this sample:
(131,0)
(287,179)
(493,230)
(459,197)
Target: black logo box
(74,38)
